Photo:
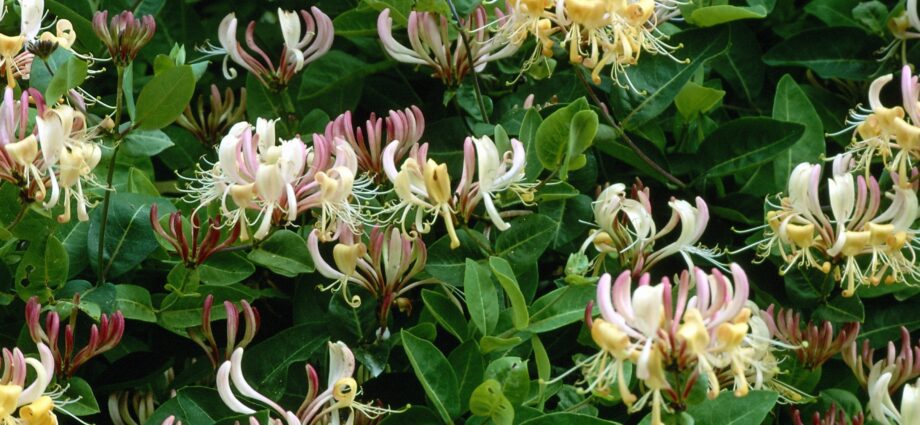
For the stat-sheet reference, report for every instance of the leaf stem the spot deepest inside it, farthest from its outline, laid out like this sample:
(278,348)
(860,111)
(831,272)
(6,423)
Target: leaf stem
(107,198)
(469,57)
(635,148)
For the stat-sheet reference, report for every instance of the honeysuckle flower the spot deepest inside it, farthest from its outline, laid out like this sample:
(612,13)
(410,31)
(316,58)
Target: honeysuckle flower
(901,364)
(423,187)
(69,144)
(813,343)
(208,124)
(405,126)
(124,35)
(385,267)
(529,17)
(712,333)
(889,133)
(304,42)
(803,235)
(626,229)
(204,336)
(495,174)
(259,173)
(340,393)
(104,337)
(35,407)
(432,46)
(881,408)
(600,33)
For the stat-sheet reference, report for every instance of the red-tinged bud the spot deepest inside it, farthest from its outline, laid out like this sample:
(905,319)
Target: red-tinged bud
(124,35)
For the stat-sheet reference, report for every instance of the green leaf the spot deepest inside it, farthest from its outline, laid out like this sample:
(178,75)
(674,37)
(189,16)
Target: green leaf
(792,105)
(526,239)
(468,365)
(356,23)
(448,315)
(225,268)
(830,52)
(73,237)
(885,324)
(565,418)
(661,77)
(708,16)
(528,136)
(872,14)
(79,392)
(284,253)
(726,409)
(69,75)
(512,373)
(560,135)
(560,307)
(134,302)
(489,344)
(183,281)
(164,98)
(481,297)
(43,266)
(435,374)
(841,309)
(505,276)
(569,218)
(146,143)
(695,99)
(834,13)
(448,264)
(128,234)
(741,66)
(745,143)
(266,364)
(140,184)
(489,401)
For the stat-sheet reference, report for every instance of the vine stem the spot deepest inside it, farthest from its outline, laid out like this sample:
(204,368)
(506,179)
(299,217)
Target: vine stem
(469,57)
(107,198)
(635,148)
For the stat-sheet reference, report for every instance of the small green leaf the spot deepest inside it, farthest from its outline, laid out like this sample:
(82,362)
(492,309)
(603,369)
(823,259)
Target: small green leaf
(746,143)
(512,373)
(526,240)
(80,394)
(435,374)
(146,143)
(792,105)
(481,297)
(69,75)
(164,98)
(502,271)
(134,302)
(489,401)
(448,315)
(43,266)
(557,134)
(225,268)
(284,253)
(719,14)
(726,409)
(696,99)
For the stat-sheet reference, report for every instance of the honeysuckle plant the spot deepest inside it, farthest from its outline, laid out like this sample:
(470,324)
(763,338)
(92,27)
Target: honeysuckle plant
(459,211)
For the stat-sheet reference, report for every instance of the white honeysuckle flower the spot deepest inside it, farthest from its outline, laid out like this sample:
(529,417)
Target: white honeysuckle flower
(881,408)
(32,12)
(496,175)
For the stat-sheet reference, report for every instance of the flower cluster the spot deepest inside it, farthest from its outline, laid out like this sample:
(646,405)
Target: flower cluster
(307,36)
(881,408)
(803,235)
(595,33)
(432,46)
(888,133)
(327,406)
(35,406)
(627,231)
(385,267)
(672,342)
(813,344)
(204,335)
(104,337)
(203,244)
(901,365)
(59,152)
(124,35)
